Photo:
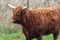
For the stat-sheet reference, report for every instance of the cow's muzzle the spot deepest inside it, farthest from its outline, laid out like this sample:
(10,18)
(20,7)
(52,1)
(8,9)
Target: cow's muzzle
(13,21)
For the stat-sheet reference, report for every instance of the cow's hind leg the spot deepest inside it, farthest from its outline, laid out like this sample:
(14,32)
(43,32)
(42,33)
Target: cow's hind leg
(55,35)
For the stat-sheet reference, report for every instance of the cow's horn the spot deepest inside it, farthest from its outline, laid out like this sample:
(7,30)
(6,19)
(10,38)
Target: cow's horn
(25,7)
(11,6)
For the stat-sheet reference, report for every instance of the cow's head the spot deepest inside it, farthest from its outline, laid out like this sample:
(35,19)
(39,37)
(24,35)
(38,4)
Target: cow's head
(17,13)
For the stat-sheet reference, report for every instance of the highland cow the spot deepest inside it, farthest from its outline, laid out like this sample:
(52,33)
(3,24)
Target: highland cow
(37,22)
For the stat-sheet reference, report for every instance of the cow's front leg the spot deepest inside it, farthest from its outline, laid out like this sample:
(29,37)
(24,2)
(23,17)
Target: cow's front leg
(55,35)
(26,33)
(40,36)
(28,38)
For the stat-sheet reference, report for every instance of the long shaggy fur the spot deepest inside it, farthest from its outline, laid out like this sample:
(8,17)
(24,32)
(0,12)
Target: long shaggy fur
(38,22)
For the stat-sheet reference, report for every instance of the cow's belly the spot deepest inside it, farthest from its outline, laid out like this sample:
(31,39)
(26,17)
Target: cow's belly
(46,33)
(35,34)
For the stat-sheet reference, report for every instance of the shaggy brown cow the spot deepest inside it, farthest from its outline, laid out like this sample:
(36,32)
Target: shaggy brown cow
(38,22)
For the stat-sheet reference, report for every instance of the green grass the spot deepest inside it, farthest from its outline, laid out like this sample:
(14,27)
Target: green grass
(14,34)
(20,36)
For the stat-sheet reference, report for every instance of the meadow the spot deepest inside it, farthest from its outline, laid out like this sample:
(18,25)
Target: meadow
(8,34)
(10,31)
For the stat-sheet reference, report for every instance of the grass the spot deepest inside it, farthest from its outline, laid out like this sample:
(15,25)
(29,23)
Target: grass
(12,36)
(19,36)
(7,34)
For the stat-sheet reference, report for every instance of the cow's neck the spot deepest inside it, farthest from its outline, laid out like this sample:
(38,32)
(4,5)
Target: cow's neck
(23,16)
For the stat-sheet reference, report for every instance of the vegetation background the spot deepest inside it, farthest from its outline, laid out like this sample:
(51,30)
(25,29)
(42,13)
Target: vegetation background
(10,31)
